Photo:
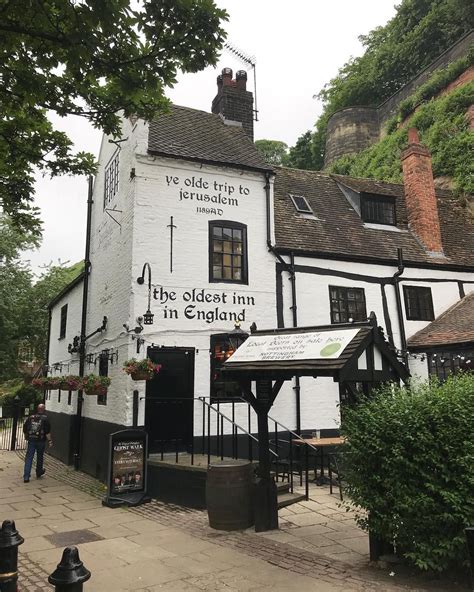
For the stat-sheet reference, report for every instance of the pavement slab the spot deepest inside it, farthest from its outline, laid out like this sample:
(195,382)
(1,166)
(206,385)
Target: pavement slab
(161,546)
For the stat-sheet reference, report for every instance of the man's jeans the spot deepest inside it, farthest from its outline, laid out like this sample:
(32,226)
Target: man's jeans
(38,447)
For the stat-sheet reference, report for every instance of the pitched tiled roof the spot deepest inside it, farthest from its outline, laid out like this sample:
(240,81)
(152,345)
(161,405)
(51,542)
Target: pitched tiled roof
(197,135)
(338,230)
(454,326)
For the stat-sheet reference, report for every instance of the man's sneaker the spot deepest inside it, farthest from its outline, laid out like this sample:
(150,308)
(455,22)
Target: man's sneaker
(26,480)
(38,476)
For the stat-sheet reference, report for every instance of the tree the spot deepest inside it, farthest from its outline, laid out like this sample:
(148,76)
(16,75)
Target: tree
(23,302)
(15,284)
(274,152)
(92,59)
(301,156)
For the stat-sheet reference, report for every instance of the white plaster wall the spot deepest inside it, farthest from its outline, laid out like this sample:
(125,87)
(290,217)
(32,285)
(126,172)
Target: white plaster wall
(158,186)
(58,348)
(111,275)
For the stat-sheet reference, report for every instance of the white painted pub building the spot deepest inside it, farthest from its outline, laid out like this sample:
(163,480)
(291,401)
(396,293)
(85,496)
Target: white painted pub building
(220,239)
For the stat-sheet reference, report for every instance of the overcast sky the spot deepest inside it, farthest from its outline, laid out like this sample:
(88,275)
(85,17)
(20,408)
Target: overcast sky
(298,46)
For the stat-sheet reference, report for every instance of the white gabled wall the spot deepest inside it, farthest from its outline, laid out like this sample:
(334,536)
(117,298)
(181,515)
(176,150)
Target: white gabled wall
(65,362)
(180,318)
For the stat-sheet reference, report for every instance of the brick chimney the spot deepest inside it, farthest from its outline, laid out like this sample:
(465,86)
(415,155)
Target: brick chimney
(420,197)
(233,101)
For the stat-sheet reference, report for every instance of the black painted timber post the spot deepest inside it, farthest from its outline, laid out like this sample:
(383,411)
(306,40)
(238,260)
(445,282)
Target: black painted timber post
(70,574)
(10,540)
(16,417)
(266,506)
(135,409)
(470,549)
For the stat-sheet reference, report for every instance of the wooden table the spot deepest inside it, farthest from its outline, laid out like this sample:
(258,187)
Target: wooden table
(320,444)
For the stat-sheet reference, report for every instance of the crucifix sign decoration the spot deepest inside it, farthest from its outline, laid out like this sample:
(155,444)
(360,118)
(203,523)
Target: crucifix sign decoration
(171,226)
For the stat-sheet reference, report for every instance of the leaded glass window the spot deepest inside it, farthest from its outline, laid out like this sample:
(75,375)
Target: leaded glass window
(228,252)
(347,304)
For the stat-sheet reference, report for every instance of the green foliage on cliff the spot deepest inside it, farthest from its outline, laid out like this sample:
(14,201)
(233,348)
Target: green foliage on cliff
(419,32)
(443,128)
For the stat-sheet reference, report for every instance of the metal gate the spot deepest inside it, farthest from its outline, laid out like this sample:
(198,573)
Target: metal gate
(11,433)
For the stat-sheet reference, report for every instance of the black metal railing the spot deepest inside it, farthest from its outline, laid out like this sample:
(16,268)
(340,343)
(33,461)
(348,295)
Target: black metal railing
(220,435)
(11,433)
(293,453)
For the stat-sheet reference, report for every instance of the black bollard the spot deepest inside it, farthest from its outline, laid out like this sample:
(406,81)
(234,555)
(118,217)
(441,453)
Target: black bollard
(70,573)
(470,549)
(9,543)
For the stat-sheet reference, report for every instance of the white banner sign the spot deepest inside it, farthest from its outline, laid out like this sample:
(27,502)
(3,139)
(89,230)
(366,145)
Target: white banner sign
(296,346)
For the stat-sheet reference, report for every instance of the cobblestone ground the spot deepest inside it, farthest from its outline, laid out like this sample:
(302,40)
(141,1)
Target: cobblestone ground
(324,571)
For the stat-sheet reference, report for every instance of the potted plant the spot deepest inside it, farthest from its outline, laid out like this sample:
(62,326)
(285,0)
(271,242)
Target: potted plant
(141,369)
(70,382)
(95,385)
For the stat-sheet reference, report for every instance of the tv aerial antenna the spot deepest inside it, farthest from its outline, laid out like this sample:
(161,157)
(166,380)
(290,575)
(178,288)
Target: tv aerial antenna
(246,60)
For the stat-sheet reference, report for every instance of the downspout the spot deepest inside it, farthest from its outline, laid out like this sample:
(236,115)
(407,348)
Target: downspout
(46,357)
(82,346)
(396,285)
(294,309)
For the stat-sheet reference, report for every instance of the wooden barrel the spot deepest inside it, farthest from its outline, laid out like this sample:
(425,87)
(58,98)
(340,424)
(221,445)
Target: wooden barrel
(229,495)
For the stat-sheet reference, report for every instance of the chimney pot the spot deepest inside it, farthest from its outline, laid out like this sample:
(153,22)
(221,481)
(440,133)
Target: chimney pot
(241,79)
(227,76)
(413,137)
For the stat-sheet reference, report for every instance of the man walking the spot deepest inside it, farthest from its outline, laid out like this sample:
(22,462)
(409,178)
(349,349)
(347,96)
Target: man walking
(37,431)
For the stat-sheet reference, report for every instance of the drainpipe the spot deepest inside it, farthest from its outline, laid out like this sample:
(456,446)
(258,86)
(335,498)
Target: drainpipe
(82,346)
(46,357)
(396,285)
(294,309)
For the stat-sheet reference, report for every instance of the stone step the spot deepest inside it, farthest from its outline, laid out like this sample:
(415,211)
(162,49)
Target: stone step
(283,487)
(287,499)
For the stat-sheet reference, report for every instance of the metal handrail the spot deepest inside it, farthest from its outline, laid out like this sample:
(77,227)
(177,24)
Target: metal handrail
(297,437)
(245,432)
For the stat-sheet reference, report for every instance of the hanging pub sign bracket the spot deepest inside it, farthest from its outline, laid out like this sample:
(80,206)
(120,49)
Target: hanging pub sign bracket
(127,469)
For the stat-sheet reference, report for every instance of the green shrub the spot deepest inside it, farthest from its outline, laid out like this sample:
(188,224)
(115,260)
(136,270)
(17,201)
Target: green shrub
(411,468)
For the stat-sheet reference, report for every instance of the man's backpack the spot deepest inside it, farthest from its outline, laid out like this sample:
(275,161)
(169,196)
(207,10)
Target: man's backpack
(35,428)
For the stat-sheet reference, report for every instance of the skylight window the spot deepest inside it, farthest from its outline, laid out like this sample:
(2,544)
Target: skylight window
(300,203)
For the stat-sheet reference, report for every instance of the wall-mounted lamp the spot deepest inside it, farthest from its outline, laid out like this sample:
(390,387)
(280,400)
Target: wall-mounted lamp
(148,316)
(237,337)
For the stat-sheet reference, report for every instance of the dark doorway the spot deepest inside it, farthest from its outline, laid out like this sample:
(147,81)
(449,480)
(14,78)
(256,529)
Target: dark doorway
(169,400)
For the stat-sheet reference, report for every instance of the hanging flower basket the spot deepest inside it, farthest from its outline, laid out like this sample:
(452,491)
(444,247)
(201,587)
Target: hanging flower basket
(46,383)
(141,375)
(95,385)
(99,390)
(141,369)
(70,383)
